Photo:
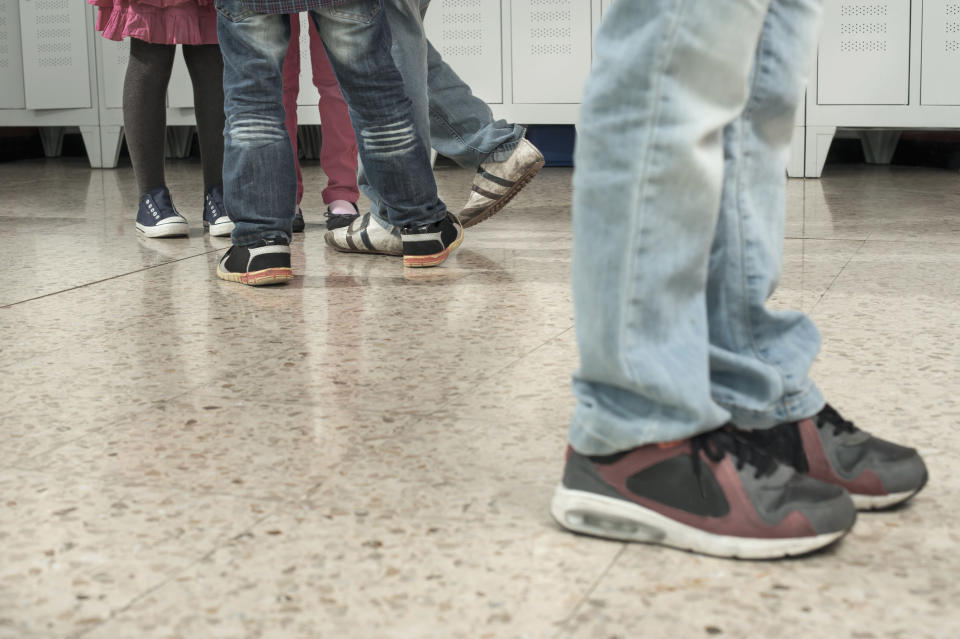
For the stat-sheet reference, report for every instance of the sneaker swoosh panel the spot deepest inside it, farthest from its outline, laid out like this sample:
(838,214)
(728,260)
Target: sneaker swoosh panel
(674,481)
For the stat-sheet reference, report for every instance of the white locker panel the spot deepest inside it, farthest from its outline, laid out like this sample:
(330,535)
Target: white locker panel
(605,5)
(864,55)
(551,50)
(940,81)
(114,56)
(309,96)
(55,60)
(11,60)
(469,39)
(180,89)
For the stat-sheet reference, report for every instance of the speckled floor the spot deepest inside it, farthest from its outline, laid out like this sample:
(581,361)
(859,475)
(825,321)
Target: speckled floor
(369,453)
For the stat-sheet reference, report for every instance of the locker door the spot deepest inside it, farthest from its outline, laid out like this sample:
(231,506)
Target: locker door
(114,56)
(180,89)
(56,63)
(11,62)
(939,82)
(469,39)
(551,50)
(864,55)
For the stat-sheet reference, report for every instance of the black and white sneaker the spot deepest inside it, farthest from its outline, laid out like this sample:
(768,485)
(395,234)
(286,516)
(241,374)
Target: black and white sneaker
(158,217)
(431,244)
(266,262)
(365,235)
(215,216)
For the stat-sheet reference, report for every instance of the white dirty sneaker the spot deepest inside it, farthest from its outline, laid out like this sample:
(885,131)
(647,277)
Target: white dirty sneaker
(365,235)
(496,183)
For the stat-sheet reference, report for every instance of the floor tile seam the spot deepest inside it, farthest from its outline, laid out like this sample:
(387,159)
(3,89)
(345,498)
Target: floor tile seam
(170,578)
(53,449)
(492,374)
(803,238)
(564,631)
(836,277)
(107,279)
(112,479)
(908,241)
(870,237)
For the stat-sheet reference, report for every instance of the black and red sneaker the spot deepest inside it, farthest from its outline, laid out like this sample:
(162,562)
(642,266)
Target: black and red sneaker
(711,494)
(878,474)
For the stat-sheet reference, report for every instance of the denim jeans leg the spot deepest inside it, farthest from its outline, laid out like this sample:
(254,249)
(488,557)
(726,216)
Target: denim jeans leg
(462,127)
(396,158)
(450,118)
(259,176)
(668,76)
(759,358)
(409,51)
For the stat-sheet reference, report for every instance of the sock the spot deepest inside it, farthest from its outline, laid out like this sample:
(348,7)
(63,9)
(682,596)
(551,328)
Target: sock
(341,207)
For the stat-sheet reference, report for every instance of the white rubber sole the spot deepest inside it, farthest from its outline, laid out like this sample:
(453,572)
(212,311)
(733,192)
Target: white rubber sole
(173,229)
(601,516)
(220,230)
(881,502)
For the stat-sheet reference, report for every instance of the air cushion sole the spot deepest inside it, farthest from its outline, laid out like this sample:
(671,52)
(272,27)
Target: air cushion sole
(601,516)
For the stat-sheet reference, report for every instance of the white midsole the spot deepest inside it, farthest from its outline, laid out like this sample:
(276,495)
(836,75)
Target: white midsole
(221,229)
(171,229)
(879,502)
(603,516)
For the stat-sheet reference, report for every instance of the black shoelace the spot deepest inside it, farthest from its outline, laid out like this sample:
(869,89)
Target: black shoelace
(718,443)
(830,416)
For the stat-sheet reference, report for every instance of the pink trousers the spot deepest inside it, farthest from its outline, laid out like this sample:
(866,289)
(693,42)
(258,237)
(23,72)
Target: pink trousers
(338,153)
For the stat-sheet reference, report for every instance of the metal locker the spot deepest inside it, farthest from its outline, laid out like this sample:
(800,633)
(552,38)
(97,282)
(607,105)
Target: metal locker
(114,56)
(551,50)
(864,55)
(180,89)
(467,33)
(940,56)
(11,61)
(56,64)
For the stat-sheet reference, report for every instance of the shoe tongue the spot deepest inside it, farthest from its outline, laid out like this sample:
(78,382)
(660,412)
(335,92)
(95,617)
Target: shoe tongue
(162,197)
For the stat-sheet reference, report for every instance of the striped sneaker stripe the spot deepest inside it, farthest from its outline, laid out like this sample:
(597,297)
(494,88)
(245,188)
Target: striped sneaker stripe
(495,178)
(485,193)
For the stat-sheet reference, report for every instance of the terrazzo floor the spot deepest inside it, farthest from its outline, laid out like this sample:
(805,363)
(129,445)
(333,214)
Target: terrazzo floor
(368,452)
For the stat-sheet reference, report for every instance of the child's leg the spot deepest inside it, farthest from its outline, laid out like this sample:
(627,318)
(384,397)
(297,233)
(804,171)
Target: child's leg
(144,109)
(338,155)
(291,89)
(206,72)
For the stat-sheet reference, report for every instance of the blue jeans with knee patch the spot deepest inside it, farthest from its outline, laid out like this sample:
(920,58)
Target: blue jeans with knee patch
(260,181)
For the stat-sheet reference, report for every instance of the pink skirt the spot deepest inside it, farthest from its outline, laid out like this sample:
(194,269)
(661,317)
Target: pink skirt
(158,21)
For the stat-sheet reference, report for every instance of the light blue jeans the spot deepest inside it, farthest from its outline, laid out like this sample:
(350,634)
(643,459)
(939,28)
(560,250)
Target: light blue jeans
(683,137)
(459,125)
